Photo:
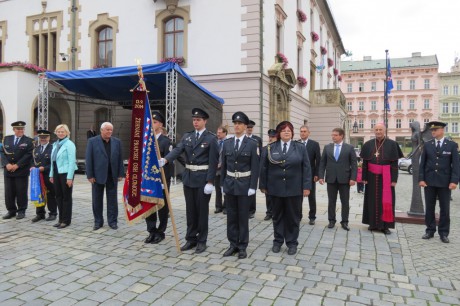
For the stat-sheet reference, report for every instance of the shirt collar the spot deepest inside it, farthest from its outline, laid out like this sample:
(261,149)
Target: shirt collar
(200,132)
(340,144)
(240,138)
(441,140)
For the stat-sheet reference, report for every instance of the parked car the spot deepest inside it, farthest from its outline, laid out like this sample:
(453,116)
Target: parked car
(405,164)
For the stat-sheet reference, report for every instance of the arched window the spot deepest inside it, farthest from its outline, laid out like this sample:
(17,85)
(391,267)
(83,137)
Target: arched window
(104,47)
(173,37)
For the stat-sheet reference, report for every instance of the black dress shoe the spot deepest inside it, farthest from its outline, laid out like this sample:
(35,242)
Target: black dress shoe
(57,224)
(345,226)
(62,225)
(331,224)
(96,227)
(312,222)
(267,217)
(224,211)
(51,218)
(370,228)
(242,254)
(38,218)
(150,238)
(200,248)
(188,246)
(427,236)
(276,249)
(230,251)
(158,238)
(386,231)
(114,226)
(218,210)
(251,216)
(444,239)
(20,216)
(8,215)
(292,250)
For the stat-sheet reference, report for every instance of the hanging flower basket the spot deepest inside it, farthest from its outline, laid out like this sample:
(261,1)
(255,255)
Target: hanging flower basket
(281,58)
(339,78)
(330,62)
(336,71)
(26,66)
(323,50)
(301,15)
(314,36)
(178,60)
(302,82)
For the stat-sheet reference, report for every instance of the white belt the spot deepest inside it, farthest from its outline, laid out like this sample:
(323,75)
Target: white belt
(196,168)
(239,174)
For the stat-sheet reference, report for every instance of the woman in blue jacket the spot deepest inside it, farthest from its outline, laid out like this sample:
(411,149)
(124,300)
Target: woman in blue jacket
(63,166)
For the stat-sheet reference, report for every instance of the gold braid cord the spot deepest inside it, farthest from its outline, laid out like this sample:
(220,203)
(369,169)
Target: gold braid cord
(270,158)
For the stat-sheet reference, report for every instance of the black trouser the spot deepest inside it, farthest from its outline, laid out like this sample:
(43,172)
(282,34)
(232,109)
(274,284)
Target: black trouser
(50,199)
(443,193)
(268,203)
(197,209)
(16,189)
(312,201)
(98,202)
(344,191)
(163,215)
(252,206)
(63,197)
(238,221)
(287,213)
(219,203)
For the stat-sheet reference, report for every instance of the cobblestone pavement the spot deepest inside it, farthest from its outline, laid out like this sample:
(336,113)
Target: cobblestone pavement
(41,265)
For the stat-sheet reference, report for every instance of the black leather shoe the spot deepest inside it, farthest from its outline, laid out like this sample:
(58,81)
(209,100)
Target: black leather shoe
(218,210)
(267,217)
(150,238)
(292,250)
(57,224)
(188,246)
(38,218)
(158,238)
(444,239)
(224,211)
(251,216)
(427,236)
(96,227)
(8,216)
(20,216)
(231,251)
(62,225)
(242,254)
(386,231)
(51,218)
(200,248)
(345,226)
(276,249)
(114,226)
(312,222)
(370,228)
(331,224)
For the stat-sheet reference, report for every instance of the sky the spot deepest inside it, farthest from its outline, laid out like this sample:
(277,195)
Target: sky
(369,27)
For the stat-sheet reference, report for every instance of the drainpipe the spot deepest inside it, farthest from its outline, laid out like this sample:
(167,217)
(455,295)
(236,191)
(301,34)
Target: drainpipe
(261,68)
(73,48)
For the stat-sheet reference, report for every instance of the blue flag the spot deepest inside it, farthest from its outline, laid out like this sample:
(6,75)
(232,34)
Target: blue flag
(389,79)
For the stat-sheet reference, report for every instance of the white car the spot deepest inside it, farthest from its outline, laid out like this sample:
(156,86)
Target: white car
(405,164)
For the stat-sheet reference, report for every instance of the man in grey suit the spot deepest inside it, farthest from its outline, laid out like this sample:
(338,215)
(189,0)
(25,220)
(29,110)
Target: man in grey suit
(339,162)
(104,168)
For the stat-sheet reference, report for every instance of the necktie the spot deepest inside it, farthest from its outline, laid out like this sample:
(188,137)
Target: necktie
(237,144)
(438,147)
(221,142)
(284,148)
(197,135)
(41,149)
(337,152)
(16,141)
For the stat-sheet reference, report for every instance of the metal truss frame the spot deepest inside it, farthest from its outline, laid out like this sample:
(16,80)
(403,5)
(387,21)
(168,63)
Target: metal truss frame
(171,104)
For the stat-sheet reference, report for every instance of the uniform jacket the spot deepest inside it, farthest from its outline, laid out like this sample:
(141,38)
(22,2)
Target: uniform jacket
(43,159)
(20,155)
(66,159)
(97,161)
(314,154)
(259,141)
(344,169)
(202,152)
(243,160)
(439,169)
(288,175)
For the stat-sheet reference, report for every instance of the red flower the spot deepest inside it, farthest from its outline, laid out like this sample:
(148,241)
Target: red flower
(336,71)
(178,60)
(26,66)
(302,82)
(301,15)
(323,50)
(330,62)
(282,59)
(314,36)
(339,77)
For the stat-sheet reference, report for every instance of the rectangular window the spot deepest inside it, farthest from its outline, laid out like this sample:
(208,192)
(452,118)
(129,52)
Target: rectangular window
(454,88)
(373,105)
(361,105)
(411,104)
(455,107)
(426,120)
(427,84)
(445,108)
(373,122)
(412,84)
(373,86)
(399,85)
(349,87)
(411,120)
(454,127)
(398,105)
(398,123)
(426,104)
(350,106)
(361,124)
(361,87)
(445,90)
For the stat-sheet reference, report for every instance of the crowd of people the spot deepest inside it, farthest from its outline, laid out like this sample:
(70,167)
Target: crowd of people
(286,170)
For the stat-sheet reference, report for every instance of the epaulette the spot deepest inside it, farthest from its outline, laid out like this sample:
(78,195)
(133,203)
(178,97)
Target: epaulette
(212,133)
(230,138)
(298,140)
(253,139)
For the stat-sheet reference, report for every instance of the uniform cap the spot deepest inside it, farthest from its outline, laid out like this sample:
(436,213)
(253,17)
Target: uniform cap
(156,115)
(43,133)
(240,117)
(251,124)
(199,113)
(271,133)
(433,125)
(18,124)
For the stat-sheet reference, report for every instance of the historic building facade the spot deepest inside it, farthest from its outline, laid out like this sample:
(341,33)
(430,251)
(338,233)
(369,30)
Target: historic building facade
(414,96)
(449,101)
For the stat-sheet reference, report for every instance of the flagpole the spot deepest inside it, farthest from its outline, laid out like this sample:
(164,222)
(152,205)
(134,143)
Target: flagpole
(385,97)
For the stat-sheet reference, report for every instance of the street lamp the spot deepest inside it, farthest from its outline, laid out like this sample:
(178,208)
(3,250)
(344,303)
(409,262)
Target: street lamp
(355,127)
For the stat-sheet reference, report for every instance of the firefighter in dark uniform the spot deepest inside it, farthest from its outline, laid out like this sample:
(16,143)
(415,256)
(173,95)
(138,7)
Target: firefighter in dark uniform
(201,156)
(268,199)
(285,175)
(157,234)
(439,174)
(42,160)
(16,160)
(239,176)
(252,208)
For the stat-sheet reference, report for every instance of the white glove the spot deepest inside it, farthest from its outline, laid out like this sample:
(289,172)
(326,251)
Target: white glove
(161,162)
(209,188)
(251,192)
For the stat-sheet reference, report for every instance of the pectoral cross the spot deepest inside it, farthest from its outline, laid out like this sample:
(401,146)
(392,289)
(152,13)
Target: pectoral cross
(376,154)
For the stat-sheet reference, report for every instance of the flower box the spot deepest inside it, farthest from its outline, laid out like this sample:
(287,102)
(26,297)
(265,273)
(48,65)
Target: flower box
(323,50)
(281,58)
(314,36)
(301,16)
(330,62)
(178,60)
(302,82)
(26,66)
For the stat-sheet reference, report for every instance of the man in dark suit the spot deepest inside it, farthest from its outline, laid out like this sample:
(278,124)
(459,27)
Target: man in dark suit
(104,168)
(157,234)
(268,198)
(249,129)
(439,175)
(314,154)
(239,176)
(339,163)
(201,156)
(16,155)
(220,205)
(42,160)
